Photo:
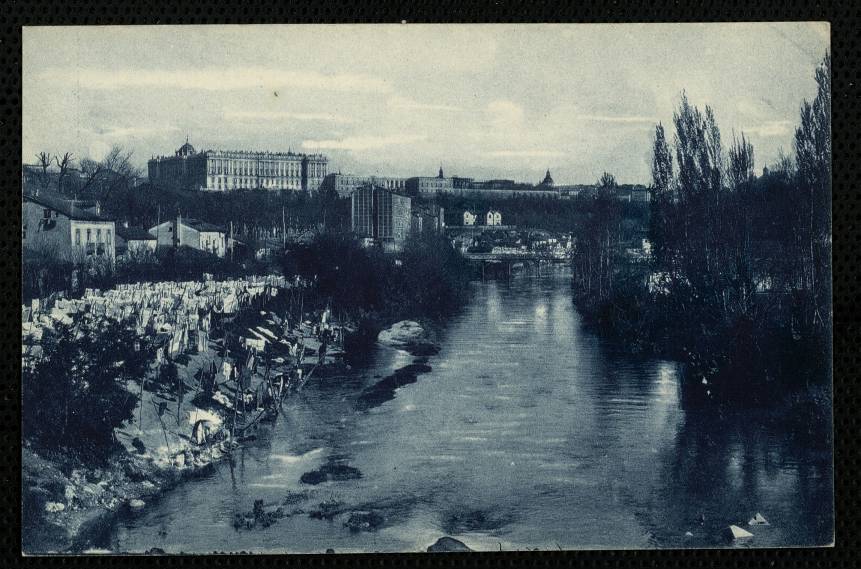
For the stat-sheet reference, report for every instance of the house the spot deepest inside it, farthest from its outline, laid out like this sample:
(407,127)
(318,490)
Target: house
(493,217)
(134,240)
(192,233)
(469,218)
(59,228)
(427,218)
(381,215)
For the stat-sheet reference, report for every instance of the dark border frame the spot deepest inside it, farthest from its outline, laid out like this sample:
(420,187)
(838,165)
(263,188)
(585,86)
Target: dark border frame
(844,16)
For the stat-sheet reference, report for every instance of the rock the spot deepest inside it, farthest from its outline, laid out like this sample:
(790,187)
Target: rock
(136,504)
(735,532)
(53,507)
(402,333)
(359,521)
(447,544)
(688,534)
(34,501)
(69,494)
(758,520)
(155,551)
(138,445)
(331,471)
(179,460)
(330,550)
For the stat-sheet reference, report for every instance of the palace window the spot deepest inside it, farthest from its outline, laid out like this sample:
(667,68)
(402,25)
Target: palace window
(98,235)
(77,236)
(89,235)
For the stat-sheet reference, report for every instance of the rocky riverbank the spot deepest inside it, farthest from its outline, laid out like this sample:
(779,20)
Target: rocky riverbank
(70,507)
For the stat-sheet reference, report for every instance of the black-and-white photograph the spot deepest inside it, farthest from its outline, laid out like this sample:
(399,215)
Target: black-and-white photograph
(426,288)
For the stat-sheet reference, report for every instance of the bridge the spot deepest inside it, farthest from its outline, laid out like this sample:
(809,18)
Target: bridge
(512,256)
(506,260)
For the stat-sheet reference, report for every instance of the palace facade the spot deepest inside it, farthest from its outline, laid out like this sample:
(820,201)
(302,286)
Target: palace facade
(225,170)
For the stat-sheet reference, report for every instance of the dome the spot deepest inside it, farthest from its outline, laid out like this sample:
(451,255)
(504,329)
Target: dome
(548,180)
(185,150)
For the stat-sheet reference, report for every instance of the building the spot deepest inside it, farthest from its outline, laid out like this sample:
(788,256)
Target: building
(428,218)
(59,228)
(189,232)
(381,215)
(134,240)
(346,184)
(225,170)
(469,218)
(493,218)
(426,185)
(547,182)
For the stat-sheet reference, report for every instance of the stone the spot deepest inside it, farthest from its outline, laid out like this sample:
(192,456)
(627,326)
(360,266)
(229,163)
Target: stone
(447,544)
(402,333)
(758,520)
(136,504)
(179,460)
(53,507)
(735,532)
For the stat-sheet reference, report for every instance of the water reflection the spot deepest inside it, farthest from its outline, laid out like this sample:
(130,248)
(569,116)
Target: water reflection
(527,432)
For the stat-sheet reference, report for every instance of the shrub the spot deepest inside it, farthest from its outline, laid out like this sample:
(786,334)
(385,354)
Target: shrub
(74,395)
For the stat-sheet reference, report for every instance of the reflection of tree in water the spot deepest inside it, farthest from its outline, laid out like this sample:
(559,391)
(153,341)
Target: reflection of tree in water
(724,469)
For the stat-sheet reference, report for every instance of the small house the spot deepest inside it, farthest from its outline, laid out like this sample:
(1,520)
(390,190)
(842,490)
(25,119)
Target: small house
(134,240)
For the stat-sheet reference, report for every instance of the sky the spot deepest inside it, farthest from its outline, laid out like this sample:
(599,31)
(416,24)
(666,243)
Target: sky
(485,101)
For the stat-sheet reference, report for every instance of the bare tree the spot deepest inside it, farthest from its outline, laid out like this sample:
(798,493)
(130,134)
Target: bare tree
(44,159)
(112,172)
(64,165)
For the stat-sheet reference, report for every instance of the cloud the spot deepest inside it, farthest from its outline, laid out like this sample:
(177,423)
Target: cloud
(411,105)
(216,79)
(505,112)
(770,128)
(618,119)
(135,131)
(524,153)
(282,115)
(361,142)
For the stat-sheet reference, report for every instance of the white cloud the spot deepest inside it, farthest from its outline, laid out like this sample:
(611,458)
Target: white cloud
(216,79)
(770,128)
(524,153)
(282,115)
(411,105)
(618,119)
(135,131)
(504,113)
(362,142)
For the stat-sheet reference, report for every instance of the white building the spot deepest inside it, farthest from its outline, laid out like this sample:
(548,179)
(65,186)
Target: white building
(493,217)
(469,218)
(59,228)
(192,233)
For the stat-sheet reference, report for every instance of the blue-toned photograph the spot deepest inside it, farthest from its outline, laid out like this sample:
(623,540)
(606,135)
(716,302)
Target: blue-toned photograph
(426,288)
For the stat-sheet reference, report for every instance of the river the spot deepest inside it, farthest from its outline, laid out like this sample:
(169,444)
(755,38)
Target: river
(529,432)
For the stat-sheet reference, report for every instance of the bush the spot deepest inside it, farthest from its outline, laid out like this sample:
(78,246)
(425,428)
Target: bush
(427,279)
(74,395)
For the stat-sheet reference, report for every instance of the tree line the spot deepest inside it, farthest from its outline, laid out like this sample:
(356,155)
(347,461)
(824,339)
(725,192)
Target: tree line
(738,286)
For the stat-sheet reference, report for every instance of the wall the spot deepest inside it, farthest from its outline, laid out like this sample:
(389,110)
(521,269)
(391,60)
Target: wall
(56,241)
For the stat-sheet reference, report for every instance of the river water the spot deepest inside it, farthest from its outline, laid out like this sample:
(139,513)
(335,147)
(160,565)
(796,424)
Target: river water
(529,432)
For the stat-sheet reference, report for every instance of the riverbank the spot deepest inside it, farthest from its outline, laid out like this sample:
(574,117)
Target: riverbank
(181,426)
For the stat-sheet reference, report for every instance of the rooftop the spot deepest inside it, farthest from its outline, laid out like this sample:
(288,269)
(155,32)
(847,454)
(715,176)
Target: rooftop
(64,206)
(135,234)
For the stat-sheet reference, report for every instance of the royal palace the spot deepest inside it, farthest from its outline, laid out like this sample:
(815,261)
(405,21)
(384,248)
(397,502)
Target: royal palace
(225,170)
